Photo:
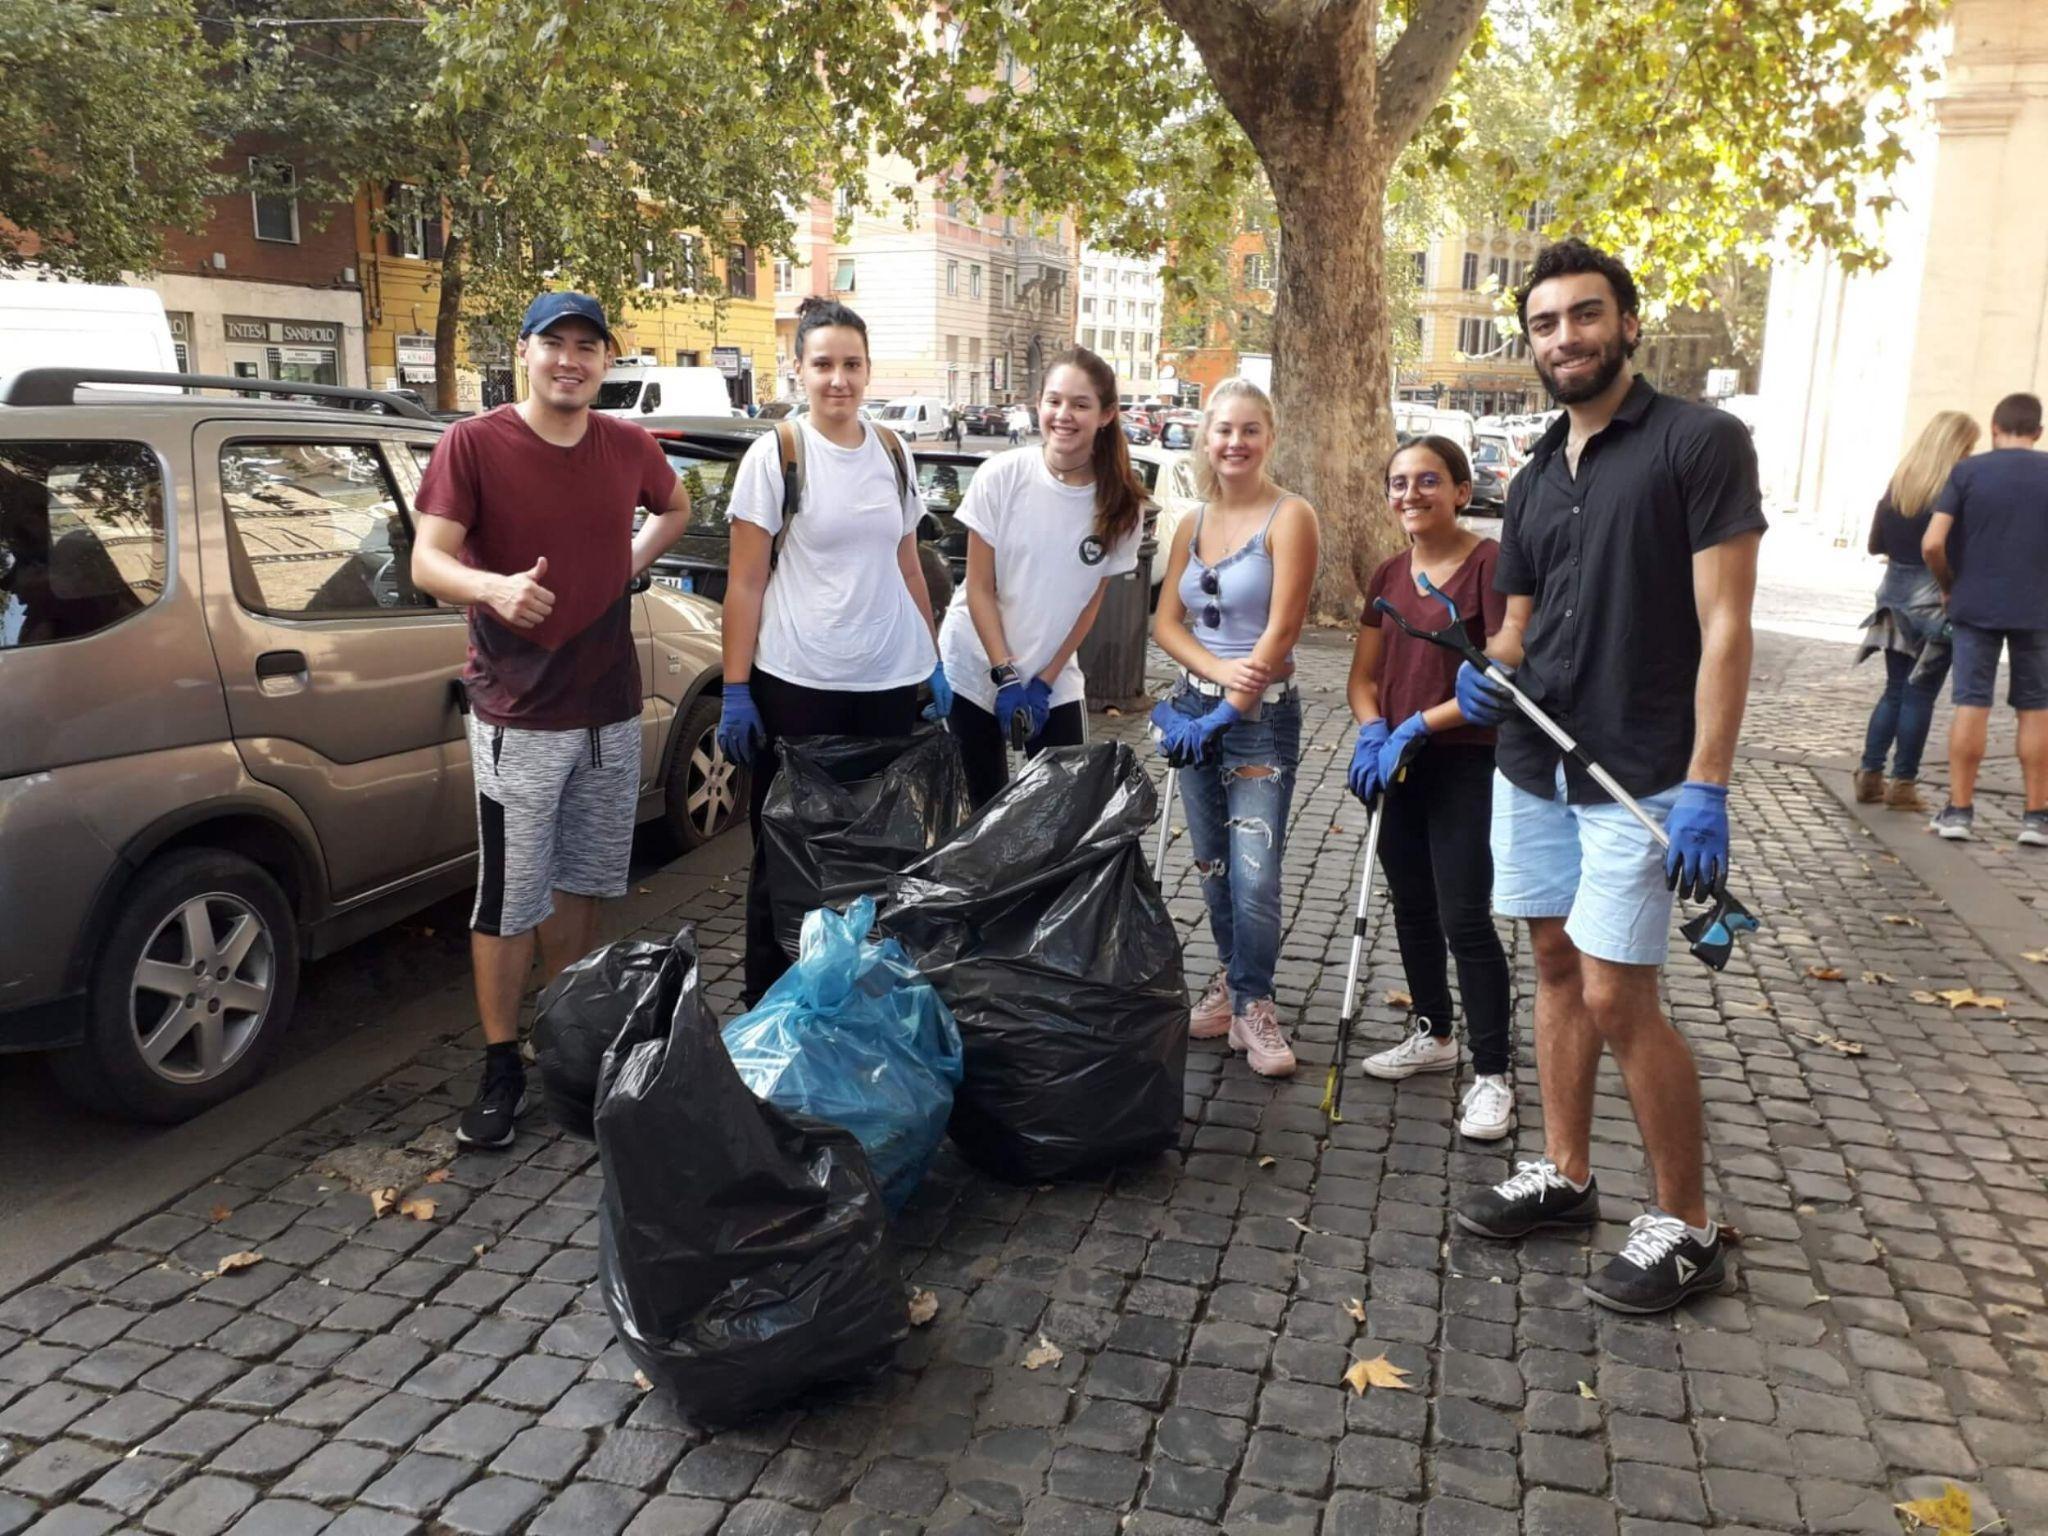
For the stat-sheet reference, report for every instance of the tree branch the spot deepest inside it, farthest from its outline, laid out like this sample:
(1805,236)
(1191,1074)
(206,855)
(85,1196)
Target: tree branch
(1418,68)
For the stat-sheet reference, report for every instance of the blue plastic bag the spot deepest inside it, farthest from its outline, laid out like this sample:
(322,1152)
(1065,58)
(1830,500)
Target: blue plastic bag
(853,1035)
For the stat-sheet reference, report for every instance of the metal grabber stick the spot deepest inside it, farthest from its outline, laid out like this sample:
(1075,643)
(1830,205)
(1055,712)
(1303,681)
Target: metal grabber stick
(1165,826)
(1333,1087)
(1712,933)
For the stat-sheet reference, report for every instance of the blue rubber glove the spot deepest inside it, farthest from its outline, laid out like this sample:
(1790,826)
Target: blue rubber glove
(1188,739)
(1409,738)
(740,731)
(1364,777)
(1480,699)
(1038,699)
(1010,699)
(942,695)
(1697,860)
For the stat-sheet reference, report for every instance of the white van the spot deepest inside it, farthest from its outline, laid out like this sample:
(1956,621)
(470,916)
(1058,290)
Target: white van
(633,389)
(1414,420)
(45,324)
(912,417)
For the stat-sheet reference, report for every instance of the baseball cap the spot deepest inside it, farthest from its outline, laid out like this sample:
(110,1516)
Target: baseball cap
(552,308)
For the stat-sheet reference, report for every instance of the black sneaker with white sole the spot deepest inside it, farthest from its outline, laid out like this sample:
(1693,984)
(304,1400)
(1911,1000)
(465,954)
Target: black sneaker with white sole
(1537,1197)
(490,1121)
(1661,1265)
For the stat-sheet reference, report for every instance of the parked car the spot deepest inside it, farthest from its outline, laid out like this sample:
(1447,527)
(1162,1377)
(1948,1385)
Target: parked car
(1169,476)
(985,420)
(1491,472)
(1135,431)
(249,747)
(784,410)
(916,416)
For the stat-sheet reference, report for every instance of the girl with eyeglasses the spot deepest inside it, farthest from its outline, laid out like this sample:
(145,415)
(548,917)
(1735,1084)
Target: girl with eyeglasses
(1047,527)
(1231,606)
(1434,773)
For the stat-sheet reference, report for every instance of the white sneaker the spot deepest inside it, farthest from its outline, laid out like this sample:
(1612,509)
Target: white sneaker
(1420,1052)
(1209,1019)
(1488,1112)
(1258,1034)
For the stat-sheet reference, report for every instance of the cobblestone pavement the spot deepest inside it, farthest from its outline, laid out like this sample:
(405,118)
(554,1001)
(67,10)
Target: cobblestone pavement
(385,1376)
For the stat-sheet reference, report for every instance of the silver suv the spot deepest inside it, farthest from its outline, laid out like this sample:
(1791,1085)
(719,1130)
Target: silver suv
(230,726)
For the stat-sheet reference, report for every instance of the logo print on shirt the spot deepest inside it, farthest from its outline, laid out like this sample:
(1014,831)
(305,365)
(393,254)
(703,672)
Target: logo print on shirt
(1092,552)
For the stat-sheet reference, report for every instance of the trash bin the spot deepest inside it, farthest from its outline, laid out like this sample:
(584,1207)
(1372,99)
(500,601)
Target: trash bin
(1113,655)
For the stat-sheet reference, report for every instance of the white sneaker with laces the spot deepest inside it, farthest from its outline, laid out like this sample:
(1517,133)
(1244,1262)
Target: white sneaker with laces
(1421,1051)
(1209,1019)
(1488,1112)
(1258,1034)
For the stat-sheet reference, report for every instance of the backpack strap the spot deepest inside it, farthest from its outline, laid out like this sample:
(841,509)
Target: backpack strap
(789,442)
(898,458)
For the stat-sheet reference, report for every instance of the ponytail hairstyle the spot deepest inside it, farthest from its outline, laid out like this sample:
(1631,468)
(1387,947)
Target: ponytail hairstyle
(1119,494)
(817,312)
(1206,484)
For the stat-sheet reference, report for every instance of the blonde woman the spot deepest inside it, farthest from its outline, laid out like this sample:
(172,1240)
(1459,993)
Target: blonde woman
(1907,624)
(1231,606)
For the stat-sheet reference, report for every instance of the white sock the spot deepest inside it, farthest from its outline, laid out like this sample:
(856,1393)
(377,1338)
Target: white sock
(1704,1236)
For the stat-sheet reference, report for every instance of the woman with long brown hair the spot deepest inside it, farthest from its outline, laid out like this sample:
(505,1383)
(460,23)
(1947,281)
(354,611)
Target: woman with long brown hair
(1907,623)
(1047,527)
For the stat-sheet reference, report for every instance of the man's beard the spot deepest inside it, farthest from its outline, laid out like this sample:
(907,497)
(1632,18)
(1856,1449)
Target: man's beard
(1590,386)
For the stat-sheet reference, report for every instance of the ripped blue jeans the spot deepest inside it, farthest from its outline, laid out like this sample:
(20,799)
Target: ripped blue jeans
(1236,806)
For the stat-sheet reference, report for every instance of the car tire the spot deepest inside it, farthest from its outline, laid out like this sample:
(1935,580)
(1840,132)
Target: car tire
(706,792)
(211,922)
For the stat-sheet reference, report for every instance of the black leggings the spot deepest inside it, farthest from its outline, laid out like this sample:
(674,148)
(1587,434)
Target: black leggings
(788,709)
(1439,863)
(983,751)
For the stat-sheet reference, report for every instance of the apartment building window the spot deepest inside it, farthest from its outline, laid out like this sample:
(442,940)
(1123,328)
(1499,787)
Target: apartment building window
(974,281)
(1088,337)
(1258,271)
(688,357)
(785,275)
(688,263)
(843,275)
(1129,342)
(1521,273)
(952,349)
(644,274)
(1009,287)
(1087,274)
(1468,278)
(1419,260)
(1415,330)
(842,202)
(1144,368)
(1145,344)
(952,277)
(1088,304)
(739,272)
(1476,337)
(1499,268)
(1147,312)
(974,353)
(274,200)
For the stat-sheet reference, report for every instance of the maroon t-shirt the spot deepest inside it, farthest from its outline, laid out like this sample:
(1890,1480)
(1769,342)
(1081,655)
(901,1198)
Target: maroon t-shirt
(522,498)
(1415,675)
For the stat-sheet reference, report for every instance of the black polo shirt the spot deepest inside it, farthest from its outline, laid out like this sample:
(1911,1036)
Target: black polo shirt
(1613,648)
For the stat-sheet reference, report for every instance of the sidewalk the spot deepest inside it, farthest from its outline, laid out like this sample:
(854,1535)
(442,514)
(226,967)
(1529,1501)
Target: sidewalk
(371,1377)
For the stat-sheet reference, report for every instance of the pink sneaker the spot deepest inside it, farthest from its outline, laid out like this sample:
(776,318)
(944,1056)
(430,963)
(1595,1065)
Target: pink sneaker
(1258,1034)
(1209,1019)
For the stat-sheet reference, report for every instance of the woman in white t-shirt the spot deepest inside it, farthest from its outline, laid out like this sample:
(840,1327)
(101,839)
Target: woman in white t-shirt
(1047,527)
(831,632)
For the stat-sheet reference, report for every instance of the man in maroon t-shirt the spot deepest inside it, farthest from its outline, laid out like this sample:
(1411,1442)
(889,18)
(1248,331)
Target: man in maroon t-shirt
(529,525)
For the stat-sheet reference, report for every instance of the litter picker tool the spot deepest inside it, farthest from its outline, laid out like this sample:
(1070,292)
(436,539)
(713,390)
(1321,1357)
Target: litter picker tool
(1165,823)
(1333,1086)
(1711,935)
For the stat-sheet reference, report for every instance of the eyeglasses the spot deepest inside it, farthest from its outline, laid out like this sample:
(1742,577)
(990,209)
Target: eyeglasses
(1212,612)
(1429,480)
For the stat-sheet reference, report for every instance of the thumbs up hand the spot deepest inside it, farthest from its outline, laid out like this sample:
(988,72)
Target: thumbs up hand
(521,600)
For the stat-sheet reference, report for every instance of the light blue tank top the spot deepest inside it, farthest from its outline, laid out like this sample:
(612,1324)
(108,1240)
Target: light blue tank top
(1243,592)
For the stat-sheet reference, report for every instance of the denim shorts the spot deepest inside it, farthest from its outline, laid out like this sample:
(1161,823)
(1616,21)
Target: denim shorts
(1976,668)
(1593,865)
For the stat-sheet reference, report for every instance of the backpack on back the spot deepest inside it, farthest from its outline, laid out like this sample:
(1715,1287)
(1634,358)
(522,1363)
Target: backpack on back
(789,443)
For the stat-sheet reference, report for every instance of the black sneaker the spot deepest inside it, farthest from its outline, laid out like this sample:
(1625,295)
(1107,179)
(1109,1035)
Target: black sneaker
(1954,822)
(1659,1266)
(489,1121)
(1538,1196)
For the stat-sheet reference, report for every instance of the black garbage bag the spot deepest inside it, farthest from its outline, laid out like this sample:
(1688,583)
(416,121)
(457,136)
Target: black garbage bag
(580,1012)
(846,813)
(743,1252)
(1043,929)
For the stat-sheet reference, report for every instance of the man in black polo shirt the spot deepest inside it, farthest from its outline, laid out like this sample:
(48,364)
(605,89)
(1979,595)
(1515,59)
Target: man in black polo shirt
(1628,556)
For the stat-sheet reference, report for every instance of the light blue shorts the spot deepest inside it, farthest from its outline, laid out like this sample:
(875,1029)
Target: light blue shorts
(1593,865)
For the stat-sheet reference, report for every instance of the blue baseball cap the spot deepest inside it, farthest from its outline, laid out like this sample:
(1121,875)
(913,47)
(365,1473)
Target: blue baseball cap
(552,308)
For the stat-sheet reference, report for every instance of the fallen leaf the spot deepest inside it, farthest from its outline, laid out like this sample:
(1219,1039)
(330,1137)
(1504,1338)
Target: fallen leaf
(1336,830)
(1826,973)
(1817,1298)
(2038,956)
(478,1250)
(1949,1515)
(382,1200)
(1356,1308)
(1400,1000)
(1924,997)
(1301,1226)
(1043,1353)
(1878,978)
(1588,1393)
(1898,921)
(1832,1042)
(438,1176)
(419,1210)
(1376,1372)
(235,1261)
(1969,997)
(641,890)
(1267,1162)
(924,1306)
(640,1380)
(219,1213)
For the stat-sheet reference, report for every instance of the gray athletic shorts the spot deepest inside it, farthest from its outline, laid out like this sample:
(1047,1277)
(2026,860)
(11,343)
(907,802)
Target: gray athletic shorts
(554,812)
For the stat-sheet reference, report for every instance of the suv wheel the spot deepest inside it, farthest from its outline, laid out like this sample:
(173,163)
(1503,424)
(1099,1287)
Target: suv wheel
(706,791)
(192,989)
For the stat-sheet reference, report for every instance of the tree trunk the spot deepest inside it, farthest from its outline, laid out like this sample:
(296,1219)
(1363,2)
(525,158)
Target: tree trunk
(448,321)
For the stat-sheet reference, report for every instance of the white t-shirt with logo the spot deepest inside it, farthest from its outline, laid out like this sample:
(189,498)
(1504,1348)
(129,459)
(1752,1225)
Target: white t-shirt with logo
(1048,565)
(836,614)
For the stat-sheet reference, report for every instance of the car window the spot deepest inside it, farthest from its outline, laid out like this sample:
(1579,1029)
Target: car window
(1148,471)
(617,394)
(709,482)
(81,538)
(1488,452)
(320,529)
(895,412)
(943,483)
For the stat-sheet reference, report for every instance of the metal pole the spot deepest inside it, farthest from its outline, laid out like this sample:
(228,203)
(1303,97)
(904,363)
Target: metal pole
(1165,822)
